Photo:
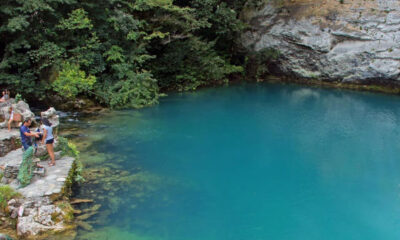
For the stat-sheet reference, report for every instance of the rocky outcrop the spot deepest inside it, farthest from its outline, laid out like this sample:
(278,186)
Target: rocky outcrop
(37,215)
(353,41)
(42,207)
(52,116)
(21,108)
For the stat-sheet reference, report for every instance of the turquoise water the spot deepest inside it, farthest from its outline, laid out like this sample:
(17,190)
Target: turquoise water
(249,162)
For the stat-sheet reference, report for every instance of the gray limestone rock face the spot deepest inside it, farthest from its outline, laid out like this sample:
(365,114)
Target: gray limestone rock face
(358,41)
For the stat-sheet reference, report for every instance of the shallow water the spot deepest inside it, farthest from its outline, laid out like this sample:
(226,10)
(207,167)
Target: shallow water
(257,161)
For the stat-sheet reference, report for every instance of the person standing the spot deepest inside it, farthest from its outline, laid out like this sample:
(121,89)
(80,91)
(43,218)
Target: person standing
(11,113)
(7,95)
(26,133)
(48,138)
(3,98)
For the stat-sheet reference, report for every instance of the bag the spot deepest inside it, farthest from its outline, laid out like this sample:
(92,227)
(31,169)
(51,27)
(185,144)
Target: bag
(17,117)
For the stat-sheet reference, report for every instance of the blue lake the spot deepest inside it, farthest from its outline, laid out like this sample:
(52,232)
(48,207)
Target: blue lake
(251,162)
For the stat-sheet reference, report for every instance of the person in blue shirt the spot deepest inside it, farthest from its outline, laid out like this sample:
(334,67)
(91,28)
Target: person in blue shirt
(48,138)
(26,133)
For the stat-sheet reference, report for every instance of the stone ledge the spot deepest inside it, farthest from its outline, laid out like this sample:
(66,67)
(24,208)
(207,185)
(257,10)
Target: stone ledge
(9,141)
(49,185)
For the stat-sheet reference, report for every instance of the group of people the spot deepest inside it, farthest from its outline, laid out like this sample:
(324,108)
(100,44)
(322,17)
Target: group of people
(43,134)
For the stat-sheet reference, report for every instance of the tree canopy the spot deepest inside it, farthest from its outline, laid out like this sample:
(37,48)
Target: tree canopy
(120,52)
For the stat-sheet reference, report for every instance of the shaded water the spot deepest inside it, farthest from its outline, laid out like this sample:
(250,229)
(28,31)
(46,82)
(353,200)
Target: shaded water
(263,161)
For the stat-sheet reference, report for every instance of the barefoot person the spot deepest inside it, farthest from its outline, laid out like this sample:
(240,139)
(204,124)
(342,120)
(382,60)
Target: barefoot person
(26,133)
(48,138)
(11,112)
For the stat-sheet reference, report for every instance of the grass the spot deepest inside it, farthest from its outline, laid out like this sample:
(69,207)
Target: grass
(6,194)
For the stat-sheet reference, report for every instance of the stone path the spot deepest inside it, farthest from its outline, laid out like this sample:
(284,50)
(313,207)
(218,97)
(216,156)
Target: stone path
(5,134)
(13,158)
(52,183)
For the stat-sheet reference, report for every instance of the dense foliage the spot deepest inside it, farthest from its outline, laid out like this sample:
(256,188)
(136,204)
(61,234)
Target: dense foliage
(120,52)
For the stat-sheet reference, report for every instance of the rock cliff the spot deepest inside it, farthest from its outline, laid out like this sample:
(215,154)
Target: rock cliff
(334,40)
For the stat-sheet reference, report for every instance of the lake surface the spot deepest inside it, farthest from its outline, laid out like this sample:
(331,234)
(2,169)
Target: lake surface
(246,162)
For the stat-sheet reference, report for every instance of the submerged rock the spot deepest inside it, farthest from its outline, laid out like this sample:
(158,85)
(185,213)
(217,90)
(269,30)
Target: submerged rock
(354,41)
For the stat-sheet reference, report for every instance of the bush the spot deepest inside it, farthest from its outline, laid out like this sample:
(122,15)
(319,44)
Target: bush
(70,149)
(72,81)
(6,193)
(67,148)
(18,97)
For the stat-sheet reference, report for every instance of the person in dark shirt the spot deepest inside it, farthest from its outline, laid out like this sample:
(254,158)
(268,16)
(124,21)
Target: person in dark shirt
(26,134)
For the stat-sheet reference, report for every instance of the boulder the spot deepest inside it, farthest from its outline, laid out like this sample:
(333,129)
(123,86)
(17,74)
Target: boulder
(52,116)
(41,150)
(21,108)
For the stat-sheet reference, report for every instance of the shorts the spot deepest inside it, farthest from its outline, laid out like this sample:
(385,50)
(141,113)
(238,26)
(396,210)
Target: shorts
(26,145)
(50,141)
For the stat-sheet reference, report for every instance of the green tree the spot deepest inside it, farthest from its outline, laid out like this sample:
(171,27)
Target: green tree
(120,52)
(72,81)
